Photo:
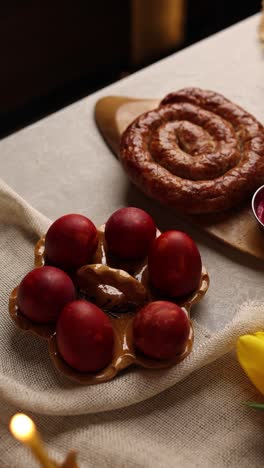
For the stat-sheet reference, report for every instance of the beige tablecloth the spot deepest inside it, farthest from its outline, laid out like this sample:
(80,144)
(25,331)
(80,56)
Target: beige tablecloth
(140,419)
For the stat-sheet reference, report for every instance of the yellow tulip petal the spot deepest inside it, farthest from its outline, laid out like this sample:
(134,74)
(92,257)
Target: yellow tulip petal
(259,334)
(250,353)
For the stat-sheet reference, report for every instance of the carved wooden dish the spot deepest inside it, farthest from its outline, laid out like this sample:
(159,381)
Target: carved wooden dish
(237,227)
(119,289)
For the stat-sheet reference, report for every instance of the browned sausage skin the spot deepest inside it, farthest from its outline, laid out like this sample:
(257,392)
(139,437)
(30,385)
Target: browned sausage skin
(197,152)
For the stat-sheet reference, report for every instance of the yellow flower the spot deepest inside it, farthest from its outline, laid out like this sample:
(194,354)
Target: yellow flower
(250,353)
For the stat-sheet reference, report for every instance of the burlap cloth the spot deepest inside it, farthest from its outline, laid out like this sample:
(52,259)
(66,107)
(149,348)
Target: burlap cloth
(191,415)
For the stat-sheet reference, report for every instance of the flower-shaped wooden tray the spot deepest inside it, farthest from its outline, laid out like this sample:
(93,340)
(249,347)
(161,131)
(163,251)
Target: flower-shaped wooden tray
(125,289)
(237,227)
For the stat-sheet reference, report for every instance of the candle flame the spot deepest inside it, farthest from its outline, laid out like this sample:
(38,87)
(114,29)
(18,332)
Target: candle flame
(22,427)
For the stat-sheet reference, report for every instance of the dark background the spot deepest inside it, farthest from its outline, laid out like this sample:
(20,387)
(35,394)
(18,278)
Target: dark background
(57,51)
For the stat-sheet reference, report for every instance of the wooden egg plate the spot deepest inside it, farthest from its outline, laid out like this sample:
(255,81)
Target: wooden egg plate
(237,228)
(124,354)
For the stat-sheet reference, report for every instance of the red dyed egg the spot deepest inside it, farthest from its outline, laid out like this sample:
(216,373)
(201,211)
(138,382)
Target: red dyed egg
(174,264)
(161,330)
(85,336)
(43,293)
(71,242)
(129,232)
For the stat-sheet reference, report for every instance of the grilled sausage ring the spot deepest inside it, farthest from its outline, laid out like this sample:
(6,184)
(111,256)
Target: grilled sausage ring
(197,152)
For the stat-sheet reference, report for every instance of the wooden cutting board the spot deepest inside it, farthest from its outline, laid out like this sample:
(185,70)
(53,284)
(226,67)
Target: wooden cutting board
(237,228)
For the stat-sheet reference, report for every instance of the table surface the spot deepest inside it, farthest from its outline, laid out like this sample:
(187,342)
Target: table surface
(61,164)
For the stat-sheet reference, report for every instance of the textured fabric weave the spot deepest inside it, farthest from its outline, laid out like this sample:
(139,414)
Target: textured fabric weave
(140,419)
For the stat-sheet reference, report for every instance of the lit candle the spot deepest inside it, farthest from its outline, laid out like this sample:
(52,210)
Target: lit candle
(24,430)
